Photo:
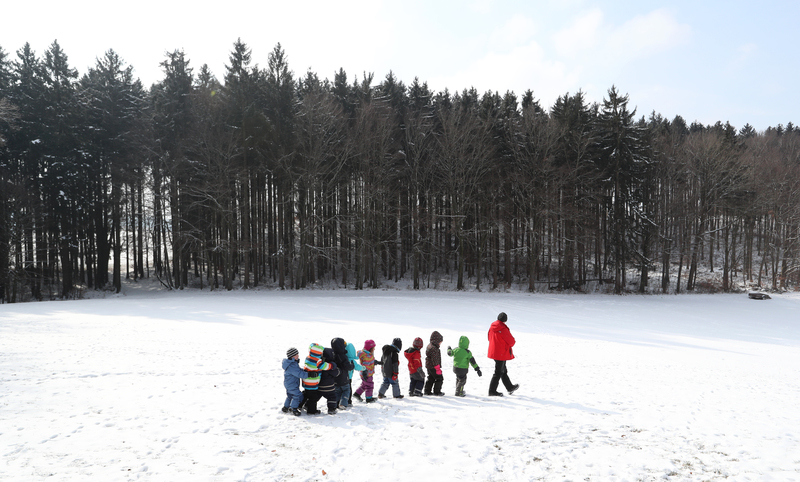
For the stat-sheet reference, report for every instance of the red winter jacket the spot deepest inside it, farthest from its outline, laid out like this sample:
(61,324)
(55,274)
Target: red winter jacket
(500,342)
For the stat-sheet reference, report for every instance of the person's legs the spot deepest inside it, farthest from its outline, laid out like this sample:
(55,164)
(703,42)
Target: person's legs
(499,369)
(384,387)
(369,385)
(395,388)
(429,382)
(437,384)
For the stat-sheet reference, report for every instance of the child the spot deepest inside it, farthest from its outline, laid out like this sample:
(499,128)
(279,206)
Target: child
(462,359)
(367,357)
(292,374)
(327,382)
(353,358)
(342,389)
(415,369)
(433,363)
(391,368)
(316,366)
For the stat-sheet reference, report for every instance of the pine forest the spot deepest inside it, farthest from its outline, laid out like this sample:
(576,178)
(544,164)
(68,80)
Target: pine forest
(269,178)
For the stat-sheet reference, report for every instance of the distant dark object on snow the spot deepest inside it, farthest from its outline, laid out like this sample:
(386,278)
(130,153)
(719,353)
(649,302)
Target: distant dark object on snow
(758,296)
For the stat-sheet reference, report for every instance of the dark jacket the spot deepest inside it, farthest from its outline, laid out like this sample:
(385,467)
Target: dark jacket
(342,361)
(433,355)
(327,381)
(391,359)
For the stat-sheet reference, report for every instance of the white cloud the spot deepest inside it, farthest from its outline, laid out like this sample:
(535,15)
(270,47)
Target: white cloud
(646,35)
(517,31)
(581,36)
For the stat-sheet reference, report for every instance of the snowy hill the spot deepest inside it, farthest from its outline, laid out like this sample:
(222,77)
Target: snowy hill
(188,386)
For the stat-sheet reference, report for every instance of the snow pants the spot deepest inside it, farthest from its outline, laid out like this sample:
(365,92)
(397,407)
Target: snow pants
(367,386)
(343,395)
(415,387)
(500,373)
(385,386)
(313,396)
(461,379)
(434,383)
(293,397)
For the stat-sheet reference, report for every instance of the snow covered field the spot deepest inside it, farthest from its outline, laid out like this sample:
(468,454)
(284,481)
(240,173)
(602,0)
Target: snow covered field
(188,386)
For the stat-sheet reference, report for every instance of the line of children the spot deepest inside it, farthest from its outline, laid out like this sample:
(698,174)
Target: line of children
(328,372)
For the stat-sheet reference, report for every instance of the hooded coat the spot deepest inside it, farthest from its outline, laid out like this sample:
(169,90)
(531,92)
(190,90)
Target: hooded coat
(500,341)
(327,380)
(314,366)
(433,355)
(344,364)
(292,374)
(462,357)
(367,358)
(391,359)
(351,355)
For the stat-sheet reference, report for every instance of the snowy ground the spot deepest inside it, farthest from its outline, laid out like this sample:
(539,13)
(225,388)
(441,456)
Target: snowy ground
(188,386)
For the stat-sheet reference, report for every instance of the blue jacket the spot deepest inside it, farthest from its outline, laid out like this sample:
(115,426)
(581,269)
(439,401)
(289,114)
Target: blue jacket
(292,374)
(351,355)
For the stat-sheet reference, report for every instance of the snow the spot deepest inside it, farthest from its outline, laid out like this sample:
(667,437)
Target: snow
(188,386)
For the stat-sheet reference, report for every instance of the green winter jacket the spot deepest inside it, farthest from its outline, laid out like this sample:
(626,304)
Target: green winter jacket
(462,357)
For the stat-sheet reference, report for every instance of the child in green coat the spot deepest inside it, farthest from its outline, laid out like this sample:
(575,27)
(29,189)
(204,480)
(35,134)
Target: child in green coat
(462,359)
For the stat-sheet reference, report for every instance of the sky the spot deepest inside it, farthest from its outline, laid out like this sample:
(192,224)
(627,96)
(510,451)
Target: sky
(706,61)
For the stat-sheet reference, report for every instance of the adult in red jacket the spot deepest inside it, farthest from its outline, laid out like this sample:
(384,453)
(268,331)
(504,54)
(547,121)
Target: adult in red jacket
(501,342)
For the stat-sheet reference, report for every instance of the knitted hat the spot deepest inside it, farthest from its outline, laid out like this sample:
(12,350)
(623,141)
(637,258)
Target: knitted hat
(292,352)
(418,342)
(502,317)
(369,345)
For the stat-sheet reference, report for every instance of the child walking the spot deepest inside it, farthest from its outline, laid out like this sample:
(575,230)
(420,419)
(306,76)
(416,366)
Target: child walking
(415,371)
(367,357)
(391,368)
(462,359)
(292,374)
(433,363)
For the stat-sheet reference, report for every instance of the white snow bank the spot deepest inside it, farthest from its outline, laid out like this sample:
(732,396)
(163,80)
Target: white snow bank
(188,386)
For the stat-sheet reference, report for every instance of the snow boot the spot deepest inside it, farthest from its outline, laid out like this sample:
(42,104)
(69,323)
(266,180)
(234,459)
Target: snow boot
(495,394)
(438,394)
(331,411)
(296,412)
(285,410)
(513,389)
(312,412)
(370,400)
(380,395)
(358,397)
(399,396)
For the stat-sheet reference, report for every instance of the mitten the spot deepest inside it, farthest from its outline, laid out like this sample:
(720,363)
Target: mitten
(438,369)
(479,372)
(394,377)
(333,366)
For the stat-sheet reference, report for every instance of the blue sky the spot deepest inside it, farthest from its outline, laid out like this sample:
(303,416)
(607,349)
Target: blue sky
(704,60)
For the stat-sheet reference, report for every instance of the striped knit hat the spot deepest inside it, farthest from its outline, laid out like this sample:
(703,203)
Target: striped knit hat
(292,352)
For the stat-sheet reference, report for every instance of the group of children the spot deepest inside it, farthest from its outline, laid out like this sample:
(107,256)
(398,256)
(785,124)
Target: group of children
(328,372)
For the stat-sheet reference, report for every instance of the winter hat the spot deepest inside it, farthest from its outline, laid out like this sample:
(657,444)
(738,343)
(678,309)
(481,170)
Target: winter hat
(369,345)
(502,317)
(436,338)
(292,352)
(418,342)
(397,343)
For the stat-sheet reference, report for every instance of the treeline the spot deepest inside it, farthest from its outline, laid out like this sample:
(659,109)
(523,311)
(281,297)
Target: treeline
(268,178)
